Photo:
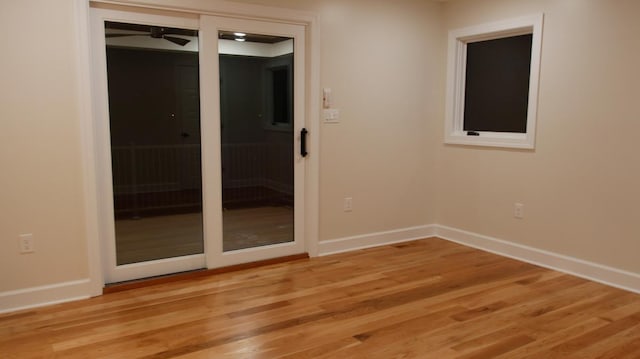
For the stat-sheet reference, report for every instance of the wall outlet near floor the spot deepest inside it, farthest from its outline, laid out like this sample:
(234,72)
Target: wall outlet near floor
(26,243)
(518,210)
(348,204)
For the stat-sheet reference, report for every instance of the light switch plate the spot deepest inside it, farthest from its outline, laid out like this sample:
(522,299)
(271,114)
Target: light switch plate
(331,115)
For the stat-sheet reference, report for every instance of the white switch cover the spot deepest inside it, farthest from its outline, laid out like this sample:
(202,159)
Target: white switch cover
(348,204)
(518,210)
(326,98)
(331,115)
(26,243)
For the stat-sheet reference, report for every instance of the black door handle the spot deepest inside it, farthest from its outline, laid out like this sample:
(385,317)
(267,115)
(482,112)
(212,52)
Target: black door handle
(303,142)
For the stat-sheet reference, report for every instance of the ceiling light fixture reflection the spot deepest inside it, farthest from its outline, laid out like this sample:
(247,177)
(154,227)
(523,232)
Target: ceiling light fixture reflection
(240,34)
(240,39)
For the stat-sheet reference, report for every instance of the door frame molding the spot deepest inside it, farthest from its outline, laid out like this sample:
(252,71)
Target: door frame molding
(90,129)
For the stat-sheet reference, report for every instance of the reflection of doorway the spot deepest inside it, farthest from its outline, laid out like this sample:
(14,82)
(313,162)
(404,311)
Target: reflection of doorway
(154,116)
(155,135)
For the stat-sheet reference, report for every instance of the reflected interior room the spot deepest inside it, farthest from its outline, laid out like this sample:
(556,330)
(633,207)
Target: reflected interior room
(154,108)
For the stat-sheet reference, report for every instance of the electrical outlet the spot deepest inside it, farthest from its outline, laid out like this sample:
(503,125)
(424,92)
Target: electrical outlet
(518,210)
(26,243)
(348,204)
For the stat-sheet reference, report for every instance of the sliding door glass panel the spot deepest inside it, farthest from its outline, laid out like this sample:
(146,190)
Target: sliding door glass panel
(154,117)
(256,111)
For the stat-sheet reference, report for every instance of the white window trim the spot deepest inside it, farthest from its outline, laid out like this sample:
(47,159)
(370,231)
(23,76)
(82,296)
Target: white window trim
(456,70)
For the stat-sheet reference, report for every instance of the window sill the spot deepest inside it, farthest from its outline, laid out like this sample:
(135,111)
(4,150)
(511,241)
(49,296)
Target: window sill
(492,139)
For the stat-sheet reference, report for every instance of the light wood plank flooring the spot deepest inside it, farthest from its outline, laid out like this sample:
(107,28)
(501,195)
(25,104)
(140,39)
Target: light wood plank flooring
(145,239)
(255,227)
(423,299)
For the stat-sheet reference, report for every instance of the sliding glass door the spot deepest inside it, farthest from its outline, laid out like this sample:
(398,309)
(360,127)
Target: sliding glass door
(257,103)
(199,125)
(256,111)
(154,119)
(152,141)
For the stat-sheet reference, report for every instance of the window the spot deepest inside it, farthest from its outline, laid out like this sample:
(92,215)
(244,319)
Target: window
(493,83)
(278,93)
(282,105)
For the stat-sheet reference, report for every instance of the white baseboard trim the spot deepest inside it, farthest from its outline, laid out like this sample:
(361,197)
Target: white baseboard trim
(580,268)
(28,298)
(347,244)
(81,289)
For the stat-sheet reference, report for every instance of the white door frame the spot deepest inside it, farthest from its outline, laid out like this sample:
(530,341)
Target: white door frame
(91,131)
(210,114)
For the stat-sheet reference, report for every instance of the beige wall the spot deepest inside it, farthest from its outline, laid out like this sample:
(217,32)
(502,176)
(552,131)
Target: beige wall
(580,186)
(379,57)
(385,62)
(382,60)
(379,60)
(40,158)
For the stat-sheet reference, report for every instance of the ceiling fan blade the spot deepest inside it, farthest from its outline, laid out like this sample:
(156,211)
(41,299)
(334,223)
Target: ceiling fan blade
(177,40)
(122,35)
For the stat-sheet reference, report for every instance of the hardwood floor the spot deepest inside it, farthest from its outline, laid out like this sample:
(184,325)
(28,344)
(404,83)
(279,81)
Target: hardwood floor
(145,239)
(150,238)
(255,227)
(423,299)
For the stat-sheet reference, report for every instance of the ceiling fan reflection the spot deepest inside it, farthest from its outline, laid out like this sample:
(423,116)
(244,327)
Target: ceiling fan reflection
(156,33)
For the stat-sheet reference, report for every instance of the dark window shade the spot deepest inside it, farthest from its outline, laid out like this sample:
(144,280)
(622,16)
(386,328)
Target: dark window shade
(497,84)
(281,102)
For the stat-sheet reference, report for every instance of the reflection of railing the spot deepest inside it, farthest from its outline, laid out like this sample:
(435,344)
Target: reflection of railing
(257,174)
(156,178)
(166,179)
(263,164)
